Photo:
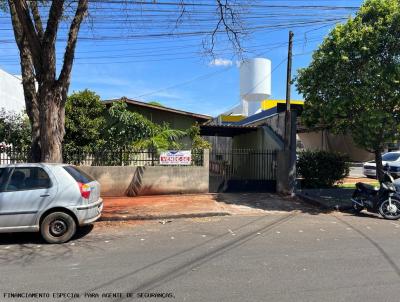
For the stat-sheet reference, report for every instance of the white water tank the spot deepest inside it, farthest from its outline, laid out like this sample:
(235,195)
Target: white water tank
(255,84)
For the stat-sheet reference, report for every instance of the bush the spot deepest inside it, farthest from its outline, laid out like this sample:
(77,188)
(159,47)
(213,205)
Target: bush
(322,168)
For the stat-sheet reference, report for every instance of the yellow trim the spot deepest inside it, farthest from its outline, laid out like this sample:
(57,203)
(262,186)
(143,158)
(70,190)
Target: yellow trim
(232,118)
(265,105)
(268,104)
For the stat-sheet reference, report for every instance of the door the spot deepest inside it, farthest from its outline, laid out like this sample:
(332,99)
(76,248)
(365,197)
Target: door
(23,192)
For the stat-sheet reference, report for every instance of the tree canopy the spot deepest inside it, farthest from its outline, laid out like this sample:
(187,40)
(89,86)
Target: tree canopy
(353,82)
(85,121)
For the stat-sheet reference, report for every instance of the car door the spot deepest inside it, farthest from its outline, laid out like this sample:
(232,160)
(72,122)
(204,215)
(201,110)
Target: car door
(26,191)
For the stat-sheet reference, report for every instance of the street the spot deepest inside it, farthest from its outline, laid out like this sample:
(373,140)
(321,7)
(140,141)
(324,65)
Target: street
(302,255)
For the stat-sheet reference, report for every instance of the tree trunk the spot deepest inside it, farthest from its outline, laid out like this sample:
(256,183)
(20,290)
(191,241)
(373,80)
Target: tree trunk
(379,165)
(52,116)
(31,104)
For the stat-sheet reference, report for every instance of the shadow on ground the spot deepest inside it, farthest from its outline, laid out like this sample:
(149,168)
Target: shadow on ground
(35,238)
(270,202)
(334,198)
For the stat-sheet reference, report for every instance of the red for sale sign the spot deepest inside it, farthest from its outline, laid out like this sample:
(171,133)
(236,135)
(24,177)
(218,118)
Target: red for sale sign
(176,158)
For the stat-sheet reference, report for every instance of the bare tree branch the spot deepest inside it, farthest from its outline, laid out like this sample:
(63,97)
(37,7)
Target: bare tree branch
(20,11)
(65,73)
(49,38)
(36,17)
(229,22)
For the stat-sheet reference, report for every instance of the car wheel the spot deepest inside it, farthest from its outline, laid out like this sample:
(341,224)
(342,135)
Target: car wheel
(57,227)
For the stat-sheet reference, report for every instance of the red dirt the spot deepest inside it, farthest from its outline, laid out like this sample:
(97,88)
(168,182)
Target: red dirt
(160,205)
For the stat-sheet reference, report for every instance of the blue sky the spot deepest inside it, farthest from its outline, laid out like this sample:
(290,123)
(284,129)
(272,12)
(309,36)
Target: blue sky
(174,70)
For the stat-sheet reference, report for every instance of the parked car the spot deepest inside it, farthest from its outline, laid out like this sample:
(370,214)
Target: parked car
(391,159)
(54,199)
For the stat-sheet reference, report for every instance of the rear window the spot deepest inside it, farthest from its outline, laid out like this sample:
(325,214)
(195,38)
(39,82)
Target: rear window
(390,156)
(78,174)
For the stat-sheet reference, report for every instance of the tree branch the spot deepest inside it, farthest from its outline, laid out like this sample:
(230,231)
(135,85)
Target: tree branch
(50,36)
(36,17)
(65,73)
(230,22)
(19,11)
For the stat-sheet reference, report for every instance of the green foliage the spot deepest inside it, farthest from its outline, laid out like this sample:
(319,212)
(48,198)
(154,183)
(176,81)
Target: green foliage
(321,169)
(91,127)
(162,138)
(353,82)
(3,5)
(198,143)
(125,127)
(15,129)
(84,121)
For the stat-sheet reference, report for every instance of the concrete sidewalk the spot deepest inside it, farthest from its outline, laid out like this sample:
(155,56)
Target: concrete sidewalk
(329,199)
(338,198)
(196,205)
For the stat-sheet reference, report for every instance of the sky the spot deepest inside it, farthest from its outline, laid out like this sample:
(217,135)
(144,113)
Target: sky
(144,53)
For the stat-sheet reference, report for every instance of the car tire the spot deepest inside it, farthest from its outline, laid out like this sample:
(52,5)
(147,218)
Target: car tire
(57,227)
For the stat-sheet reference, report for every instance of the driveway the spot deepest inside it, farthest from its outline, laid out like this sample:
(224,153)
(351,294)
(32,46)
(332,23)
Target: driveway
(285,255)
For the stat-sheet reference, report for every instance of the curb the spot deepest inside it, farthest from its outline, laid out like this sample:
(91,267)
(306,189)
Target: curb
(316,202)
(155,217)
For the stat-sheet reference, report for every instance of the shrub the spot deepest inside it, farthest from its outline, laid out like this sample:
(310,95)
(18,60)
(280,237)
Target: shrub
(322,168)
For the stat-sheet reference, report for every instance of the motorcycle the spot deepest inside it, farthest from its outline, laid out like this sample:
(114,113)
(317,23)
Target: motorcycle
(383,200)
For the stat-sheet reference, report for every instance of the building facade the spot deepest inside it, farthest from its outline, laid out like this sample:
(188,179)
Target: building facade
(11,92)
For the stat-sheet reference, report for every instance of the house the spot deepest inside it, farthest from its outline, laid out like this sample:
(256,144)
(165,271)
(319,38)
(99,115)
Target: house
(11,92)
(269,121)
(177,119)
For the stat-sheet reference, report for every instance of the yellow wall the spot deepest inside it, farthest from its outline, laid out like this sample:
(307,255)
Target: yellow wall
(268,104)
(265,105)
(232,118)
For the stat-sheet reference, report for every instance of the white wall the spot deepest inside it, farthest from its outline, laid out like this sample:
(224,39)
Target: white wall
(11,92)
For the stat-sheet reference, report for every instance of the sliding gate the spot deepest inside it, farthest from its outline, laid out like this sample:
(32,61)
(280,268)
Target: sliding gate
(243,170)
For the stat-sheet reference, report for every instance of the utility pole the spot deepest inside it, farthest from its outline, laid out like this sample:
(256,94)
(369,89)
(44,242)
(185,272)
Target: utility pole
(288,92)
(287,158)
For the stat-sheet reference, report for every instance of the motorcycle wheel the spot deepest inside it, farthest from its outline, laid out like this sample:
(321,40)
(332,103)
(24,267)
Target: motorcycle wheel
(391,213)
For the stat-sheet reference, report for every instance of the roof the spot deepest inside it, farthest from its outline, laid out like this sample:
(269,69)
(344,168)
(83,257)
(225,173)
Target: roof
(258,116)
(225,130)
(160,108)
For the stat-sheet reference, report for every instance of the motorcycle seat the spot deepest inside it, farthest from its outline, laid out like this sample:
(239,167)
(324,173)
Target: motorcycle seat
(367,187)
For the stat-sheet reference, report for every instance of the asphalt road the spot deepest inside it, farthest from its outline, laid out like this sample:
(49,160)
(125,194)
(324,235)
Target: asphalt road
(283,256)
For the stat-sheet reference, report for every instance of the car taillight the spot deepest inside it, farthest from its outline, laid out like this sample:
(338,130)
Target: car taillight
(85,190)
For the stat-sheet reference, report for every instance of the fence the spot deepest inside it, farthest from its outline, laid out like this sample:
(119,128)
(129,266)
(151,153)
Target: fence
(119,157)
(244,164)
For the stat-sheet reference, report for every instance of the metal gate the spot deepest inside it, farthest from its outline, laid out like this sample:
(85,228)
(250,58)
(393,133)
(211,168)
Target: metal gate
(243,170)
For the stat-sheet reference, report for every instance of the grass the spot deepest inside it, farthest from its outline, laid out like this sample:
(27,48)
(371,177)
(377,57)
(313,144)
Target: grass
(353,185)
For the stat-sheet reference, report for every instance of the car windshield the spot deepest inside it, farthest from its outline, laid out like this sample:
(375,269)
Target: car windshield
(390,156)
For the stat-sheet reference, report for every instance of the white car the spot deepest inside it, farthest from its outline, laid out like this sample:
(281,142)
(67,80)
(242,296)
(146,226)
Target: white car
(54,199)
(392,159)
